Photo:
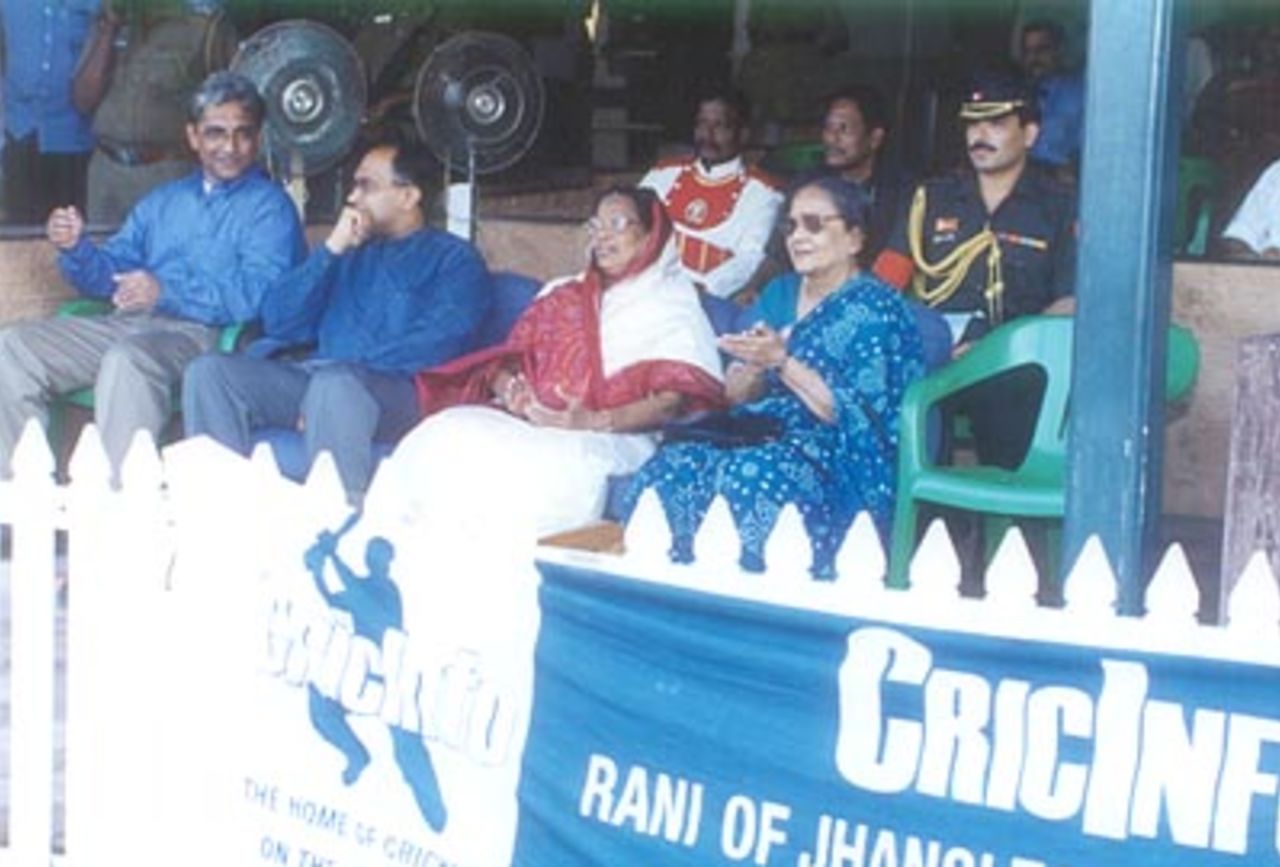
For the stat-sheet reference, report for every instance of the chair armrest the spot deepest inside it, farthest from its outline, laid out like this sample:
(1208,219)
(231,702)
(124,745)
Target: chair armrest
(913,429)
(914,451)
(85,307)
(230,337)
(982,360)
(238,335)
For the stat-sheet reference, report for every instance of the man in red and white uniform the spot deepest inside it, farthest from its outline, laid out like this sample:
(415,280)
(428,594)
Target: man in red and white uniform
(722,208)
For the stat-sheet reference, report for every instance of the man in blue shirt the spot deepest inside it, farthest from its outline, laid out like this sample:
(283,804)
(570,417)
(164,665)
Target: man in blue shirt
(194,255)
(1060,93)
(47,141)
(384,296)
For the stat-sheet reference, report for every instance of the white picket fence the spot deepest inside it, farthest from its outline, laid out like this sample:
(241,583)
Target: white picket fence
(152,567)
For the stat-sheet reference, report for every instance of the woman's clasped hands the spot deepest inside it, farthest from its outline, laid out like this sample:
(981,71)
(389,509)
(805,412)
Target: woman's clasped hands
(518,398)
(759,345)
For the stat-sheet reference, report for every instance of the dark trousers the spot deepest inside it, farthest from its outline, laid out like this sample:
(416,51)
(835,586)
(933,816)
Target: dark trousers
(1002,414)
(35,183)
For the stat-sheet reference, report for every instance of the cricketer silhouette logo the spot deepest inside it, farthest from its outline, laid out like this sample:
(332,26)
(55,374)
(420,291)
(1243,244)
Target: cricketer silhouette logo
(373,601)
(446,698)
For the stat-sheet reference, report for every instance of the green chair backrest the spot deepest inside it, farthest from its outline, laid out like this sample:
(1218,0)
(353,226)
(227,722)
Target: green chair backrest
(1198,182)
(1047,342)
(1182,363)
(789,159)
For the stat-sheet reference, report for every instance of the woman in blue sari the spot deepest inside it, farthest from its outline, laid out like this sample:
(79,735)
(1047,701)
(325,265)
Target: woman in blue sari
(829,358)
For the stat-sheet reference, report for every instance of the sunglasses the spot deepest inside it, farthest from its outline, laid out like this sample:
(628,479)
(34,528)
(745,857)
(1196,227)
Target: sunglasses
(811,223)
(615,224)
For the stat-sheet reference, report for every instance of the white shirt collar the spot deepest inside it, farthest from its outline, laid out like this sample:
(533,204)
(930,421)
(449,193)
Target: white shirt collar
(720,171)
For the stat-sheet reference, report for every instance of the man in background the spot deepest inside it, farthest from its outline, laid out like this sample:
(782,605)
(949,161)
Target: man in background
(1254,231)
(722,208)
(853,139)
(136,80)
(47,139)
(1060,93)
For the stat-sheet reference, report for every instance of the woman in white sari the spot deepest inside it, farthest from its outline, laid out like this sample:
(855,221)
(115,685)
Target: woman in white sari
(520,439)
(518,443)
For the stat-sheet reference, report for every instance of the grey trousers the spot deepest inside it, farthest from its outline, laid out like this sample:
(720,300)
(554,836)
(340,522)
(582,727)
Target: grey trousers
(344,408)
(134,361)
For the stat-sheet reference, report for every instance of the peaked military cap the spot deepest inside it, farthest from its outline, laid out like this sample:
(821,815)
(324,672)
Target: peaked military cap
(993,95)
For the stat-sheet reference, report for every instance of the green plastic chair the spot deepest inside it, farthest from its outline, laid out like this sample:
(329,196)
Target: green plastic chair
(229,340)
(1198,182)
(791,159)
(1037,488)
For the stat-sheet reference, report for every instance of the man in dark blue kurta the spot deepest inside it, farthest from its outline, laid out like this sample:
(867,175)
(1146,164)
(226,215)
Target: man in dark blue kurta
(383,297)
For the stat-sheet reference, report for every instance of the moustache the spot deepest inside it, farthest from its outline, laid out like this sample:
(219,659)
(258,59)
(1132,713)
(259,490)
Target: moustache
(981,146)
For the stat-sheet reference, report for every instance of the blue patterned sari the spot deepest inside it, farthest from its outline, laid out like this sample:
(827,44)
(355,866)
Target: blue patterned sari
(863,341)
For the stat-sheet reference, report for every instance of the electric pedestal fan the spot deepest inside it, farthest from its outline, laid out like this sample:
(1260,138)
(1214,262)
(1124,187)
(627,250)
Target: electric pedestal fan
(477,103)
(314,87)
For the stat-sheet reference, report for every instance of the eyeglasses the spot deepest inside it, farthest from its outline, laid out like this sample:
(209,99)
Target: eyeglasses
(616,223)
(217,136)
(371,185)
(811,223)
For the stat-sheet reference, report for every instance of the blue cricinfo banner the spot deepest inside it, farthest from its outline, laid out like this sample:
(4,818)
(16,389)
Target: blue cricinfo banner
(671,727)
